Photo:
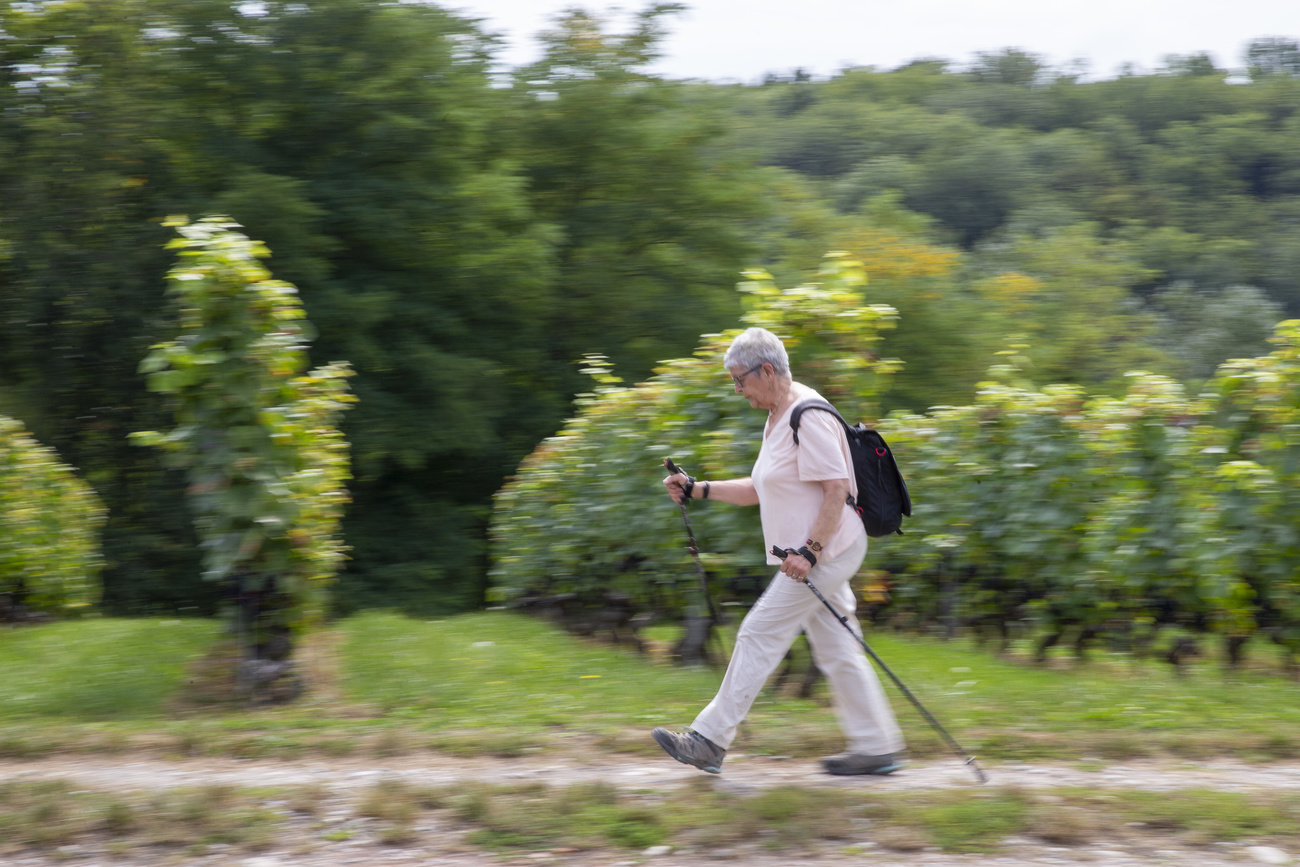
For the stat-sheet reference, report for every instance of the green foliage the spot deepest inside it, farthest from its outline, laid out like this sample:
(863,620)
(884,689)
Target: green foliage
(1202,329)
(651,224)
(1257,554)
(1135,512)
(1143,536)
(464,236)
(255,433)
(1002,491)
(49,527)
(1067,290)
(1030,505)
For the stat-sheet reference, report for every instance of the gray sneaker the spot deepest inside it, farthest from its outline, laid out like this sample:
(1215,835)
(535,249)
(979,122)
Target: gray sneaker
(851,764)
(691,748)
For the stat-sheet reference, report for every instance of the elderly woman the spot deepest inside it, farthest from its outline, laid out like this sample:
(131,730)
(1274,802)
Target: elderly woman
(800,491)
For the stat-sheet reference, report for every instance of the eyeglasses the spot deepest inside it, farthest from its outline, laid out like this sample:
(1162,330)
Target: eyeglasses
(740,380)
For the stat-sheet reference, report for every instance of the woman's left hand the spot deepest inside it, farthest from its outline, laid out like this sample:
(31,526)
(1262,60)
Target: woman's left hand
(796,566)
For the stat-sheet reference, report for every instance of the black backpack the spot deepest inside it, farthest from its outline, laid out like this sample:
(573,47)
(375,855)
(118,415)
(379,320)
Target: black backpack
(882,493)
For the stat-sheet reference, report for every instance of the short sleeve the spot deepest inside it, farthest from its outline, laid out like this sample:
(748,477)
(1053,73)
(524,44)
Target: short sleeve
(822,447)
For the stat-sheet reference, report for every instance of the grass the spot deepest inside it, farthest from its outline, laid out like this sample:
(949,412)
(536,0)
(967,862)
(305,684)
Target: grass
(496,683)
(515,683)
(97,668)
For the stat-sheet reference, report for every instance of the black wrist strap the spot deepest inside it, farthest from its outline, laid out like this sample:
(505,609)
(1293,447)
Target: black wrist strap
(802,552)
(706,491)
(689,486)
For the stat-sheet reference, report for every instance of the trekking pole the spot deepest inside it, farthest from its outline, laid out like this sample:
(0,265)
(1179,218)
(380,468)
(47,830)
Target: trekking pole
(714,614)
(844,621)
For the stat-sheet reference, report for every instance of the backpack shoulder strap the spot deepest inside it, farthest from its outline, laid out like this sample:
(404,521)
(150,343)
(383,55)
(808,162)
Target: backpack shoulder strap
(812,403)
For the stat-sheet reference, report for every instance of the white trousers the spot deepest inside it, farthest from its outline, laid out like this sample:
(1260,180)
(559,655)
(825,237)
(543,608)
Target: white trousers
(767,632)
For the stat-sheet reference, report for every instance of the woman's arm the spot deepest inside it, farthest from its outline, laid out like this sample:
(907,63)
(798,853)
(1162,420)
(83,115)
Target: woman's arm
(737,492)
(834,492)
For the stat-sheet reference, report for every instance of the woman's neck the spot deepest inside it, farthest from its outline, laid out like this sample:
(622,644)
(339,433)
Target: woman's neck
(784,400)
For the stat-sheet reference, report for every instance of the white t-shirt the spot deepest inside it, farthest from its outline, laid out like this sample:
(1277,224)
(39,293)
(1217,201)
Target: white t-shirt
(787,476)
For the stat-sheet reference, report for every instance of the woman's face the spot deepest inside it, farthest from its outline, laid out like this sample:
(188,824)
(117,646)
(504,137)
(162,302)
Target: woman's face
(757,384)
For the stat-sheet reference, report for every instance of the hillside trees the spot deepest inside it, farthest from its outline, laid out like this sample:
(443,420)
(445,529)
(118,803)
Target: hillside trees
(1179,153)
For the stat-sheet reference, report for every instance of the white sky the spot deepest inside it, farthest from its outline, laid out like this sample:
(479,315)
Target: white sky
(741,40)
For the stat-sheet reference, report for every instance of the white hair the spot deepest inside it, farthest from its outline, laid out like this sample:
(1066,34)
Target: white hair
(757,346)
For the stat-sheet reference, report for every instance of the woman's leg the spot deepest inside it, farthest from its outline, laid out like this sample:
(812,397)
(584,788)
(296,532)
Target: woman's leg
(761,643)
(860,702)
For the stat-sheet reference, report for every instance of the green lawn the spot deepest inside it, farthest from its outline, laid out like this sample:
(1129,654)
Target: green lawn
(502,683)
(498,671)
(97,669)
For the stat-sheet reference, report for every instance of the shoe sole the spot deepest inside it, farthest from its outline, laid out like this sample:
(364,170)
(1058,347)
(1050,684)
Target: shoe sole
(667,743)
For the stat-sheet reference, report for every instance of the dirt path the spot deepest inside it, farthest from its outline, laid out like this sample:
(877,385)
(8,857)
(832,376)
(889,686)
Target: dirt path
(344,780)
(741,773)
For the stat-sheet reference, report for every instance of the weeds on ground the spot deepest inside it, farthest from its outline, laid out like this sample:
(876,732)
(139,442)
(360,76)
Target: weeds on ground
(53,813)
(701,816)
(705,816)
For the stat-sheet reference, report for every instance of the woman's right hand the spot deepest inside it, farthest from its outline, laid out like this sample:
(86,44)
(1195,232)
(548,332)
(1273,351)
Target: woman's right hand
(676,485)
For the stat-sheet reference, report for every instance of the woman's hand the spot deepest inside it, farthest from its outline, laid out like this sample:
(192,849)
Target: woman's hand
(676,485)
(796,566)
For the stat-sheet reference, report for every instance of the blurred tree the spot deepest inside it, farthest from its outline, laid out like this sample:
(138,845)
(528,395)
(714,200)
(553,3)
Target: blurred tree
(50,520)
(1273,55)
(1203,329)
(1009,66)
(1066,293)
(257,436)
(461,242)
(944,333)
(971,188)
(652,228)
(1199,63)
(363,143)
(82,182)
